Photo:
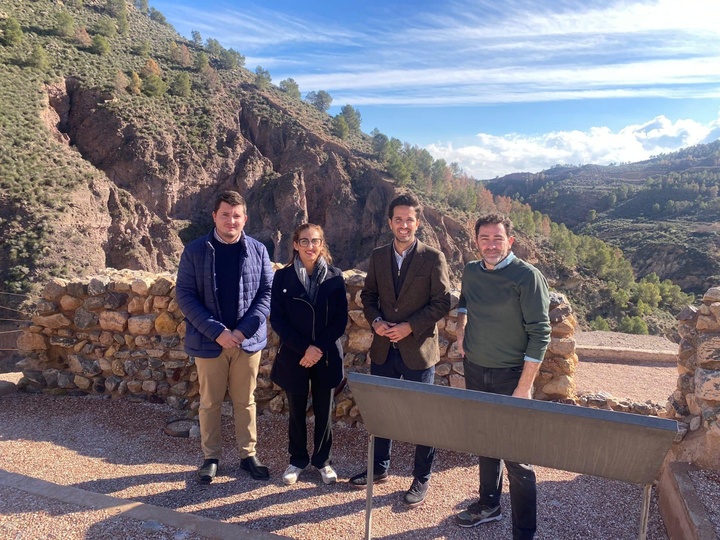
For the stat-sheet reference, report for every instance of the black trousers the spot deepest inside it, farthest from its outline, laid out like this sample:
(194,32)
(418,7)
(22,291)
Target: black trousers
(297,431)
(523,489)
(395,368)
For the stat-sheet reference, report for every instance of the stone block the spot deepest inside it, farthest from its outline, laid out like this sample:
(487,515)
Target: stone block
(141,285)
(712,295)
(112,383)
(51,377)
(562,386)
(359,340)
(564,347)
(85,319)
(453,353)
(115,300)
(443,369)
(456,381)
(165,324)
(162,286)
(83,383)
(136,305)
(357,317)
(93,303)
(134,387)
(98,285)
(115,321)
(54,289)
(141,324)
(708,350)
(52,321)
(707,323)
(30,341)
(443,345)
(707,384)
(160,303)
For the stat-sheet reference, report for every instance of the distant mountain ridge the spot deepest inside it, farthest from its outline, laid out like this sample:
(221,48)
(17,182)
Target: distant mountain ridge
(662,212)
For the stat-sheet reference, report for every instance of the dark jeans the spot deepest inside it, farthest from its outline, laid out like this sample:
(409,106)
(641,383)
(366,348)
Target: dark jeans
(297,432)
(395,368)
(523,492)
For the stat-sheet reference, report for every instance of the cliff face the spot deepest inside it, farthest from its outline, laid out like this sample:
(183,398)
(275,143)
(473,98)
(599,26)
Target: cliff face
(158,186)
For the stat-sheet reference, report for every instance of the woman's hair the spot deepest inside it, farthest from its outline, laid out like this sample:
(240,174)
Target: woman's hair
(324,251)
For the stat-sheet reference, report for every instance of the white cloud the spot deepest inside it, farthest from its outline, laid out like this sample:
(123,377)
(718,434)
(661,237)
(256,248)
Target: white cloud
(493,155)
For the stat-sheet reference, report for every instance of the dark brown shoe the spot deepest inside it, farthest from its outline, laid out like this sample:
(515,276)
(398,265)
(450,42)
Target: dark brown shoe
(256,469)
(207,471)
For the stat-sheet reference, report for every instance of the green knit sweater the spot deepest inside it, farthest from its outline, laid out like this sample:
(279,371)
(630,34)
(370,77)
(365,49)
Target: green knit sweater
(507,314)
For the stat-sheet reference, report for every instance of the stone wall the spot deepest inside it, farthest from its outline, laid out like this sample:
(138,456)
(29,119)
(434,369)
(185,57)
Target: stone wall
(121,334)
(696,401)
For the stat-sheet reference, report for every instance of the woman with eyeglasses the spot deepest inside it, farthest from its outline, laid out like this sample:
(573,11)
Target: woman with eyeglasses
(309,312)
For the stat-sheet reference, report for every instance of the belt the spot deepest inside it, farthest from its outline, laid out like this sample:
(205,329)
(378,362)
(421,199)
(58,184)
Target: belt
(394,344)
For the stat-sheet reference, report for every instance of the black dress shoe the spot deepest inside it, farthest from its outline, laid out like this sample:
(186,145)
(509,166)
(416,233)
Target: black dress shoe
(256,469)
(207,471)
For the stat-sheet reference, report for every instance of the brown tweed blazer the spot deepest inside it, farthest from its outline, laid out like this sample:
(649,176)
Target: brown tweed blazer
(424,299)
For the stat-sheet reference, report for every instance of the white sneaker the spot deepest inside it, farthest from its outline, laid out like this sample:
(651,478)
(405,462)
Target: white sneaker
(329,476)
(291,474)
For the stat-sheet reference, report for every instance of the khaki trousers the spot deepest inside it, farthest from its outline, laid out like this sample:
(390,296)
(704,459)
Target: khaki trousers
(234,371)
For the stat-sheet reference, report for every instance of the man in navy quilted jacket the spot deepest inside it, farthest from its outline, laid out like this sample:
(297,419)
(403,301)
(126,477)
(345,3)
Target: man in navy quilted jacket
(223,288)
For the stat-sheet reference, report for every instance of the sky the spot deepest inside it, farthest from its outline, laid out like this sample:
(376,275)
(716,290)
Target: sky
(497,86)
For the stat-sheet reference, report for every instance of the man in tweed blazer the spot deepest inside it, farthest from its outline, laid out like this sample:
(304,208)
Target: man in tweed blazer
(407,290)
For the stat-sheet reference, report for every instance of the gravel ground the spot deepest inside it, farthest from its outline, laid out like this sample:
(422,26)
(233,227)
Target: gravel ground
(639,381)
(117,448)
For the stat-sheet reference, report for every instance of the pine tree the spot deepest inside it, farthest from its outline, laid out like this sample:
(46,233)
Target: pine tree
(352,117)
(262,78)
(321,100)
(201,61)
(12,31)
(181,85)
(291,88)
(65,24)
(197,38)
(154,86)
(106,27)
(339,127)
(39,58)
(100,45)
(142,6)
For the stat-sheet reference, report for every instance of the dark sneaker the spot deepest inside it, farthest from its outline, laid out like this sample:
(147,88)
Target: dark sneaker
(207,471)
(360,480)
(477,514)
(416,494)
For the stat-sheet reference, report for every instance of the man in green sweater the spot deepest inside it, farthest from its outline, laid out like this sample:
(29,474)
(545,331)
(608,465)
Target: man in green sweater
(503,330)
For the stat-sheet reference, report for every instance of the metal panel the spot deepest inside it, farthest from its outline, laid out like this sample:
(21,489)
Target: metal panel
(609,444)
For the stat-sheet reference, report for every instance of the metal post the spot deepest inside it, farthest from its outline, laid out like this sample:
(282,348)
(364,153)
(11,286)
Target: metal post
(370,476)
(645,512)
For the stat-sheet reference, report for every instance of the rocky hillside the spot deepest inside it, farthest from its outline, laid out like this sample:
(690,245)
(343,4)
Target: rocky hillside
(663,213)
(94,174)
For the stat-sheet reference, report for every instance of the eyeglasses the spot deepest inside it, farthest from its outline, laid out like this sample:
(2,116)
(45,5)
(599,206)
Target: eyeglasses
(305,242)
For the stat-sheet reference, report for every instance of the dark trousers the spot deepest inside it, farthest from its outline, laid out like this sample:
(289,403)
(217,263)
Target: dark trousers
(395,368)
(297,432)
(523,492)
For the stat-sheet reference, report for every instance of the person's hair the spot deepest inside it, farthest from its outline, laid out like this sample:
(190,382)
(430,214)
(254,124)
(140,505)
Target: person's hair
(494,219)
(233,198)
(405,200)
(324,251)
